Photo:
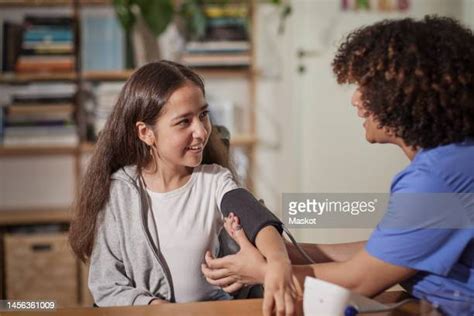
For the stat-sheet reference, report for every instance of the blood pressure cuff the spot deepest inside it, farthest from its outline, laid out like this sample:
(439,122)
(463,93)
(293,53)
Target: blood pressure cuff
(253,215)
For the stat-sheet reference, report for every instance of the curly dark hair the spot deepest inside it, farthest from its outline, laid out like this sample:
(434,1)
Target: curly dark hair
(416,77)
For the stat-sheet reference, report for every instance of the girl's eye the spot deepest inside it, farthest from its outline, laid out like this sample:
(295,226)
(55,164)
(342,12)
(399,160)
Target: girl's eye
(204,114)
(183,122)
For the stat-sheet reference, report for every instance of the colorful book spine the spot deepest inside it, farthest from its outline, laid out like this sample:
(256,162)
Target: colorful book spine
(47,45)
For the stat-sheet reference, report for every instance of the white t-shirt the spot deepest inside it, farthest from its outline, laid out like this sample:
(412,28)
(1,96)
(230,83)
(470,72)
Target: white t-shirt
(188,222)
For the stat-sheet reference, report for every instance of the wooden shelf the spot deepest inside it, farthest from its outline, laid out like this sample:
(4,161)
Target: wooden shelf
(24,78)
(37,150)
(223,72)
(119,75)
(88,75)
(243,140)
(86,148)
(205,72)
(107,75)
(35,216)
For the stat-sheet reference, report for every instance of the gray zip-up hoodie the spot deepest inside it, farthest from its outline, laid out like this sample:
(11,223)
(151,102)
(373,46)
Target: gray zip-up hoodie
(126,265)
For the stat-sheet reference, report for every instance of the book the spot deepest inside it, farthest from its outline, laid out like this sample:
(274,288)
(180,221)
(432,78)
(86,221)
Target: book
(105,95)
(52,100)
(39,141)
(37,122)
(40,136)
(45,90)
(226,10)
(51,131)
(47,48)
(39,115)
(62,21)
(47,45)
(226,21)
(45,59)
(11,45)
(226,32)
(48,34)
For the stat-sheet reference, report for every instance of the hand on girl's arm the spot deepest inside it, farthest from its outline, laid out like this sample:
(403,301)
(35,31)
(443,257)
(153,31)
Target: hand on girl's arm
(249,266)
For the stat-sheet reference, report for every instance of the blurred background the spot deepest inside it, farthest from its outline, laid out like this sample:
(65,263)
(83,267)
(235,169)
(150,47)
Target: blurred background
(267,70)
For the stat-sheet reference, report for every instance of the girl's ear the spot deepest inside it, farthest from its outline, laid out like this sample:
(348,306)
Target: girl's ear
(145,133)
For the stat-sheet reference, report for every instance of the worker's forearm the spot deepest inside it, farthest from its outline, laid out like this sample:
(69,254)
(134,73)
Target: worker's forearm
(321,253)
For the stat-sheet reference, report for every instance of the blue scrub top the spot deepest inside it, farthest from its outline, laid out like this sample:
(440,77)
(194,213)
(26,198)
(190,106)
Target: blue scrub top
(429,223)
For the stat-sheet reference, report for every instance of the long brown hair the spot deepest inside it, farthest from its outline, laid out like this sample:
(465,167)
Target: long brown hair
(141,99)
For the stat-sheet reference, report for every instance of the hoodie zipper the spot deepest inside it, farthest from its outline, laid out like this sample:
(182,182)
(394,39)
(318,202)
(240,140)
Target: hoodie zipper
(150,242)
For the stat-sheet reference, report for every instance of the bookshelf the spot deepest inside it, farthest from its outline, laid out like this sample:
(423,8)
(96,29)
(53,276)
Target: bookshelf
(37,150)
(10,217)
(25,78)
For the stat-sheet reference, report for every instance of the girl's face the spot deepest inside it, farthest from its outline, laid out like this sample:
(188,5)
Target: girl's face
(373,133)
(182,129)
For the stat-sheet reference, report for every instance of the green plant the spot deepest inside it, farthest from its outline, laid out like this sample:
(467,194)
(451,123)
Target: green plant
(284,13)
(195,20)
(157,14)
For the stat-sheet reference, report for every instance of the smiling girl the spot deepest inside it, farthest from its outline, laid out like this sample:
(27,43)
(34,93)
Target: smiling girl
(150,203)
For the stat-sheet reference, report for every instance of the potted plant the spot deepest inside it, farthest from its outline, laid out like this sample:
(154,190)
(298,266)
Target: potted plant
(157,14)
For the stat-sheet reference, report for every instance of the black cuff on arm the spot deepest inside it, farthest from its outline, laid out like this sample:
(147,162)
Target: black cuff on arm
(252,214)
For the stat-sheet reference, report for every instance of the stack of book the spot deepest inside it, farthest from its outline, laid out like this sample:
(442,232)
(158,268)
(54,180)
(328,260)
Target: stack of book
(225,43)
(41,114)
(106,95)
(11,45)
(226,22)
(47,45)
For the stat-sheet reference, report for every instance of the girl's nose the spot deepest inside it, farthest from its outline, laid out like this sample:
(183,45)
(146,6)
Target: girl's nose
(200,131)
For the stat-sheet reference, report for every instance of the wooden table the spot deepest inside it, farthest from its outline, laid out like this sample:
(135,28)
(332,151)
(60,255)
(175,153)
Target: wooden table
(252,307)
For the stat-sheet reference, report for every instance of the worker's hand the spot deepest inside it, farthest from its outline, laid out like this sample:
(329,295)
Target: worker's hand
(248,266)
(280,293)
(233,271)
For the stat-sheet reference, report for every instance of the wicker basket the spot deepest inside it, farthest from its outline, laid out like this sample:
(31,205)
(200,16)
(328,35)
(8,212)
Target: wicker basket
(41,267)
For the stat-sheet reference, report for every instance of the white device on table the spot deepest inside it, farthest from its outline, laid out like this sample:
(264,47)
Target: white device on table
(327,299)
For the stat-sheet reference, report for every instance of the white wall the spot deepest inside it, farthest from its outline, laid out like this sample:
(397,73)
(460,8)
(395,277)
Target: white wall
(468,13)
